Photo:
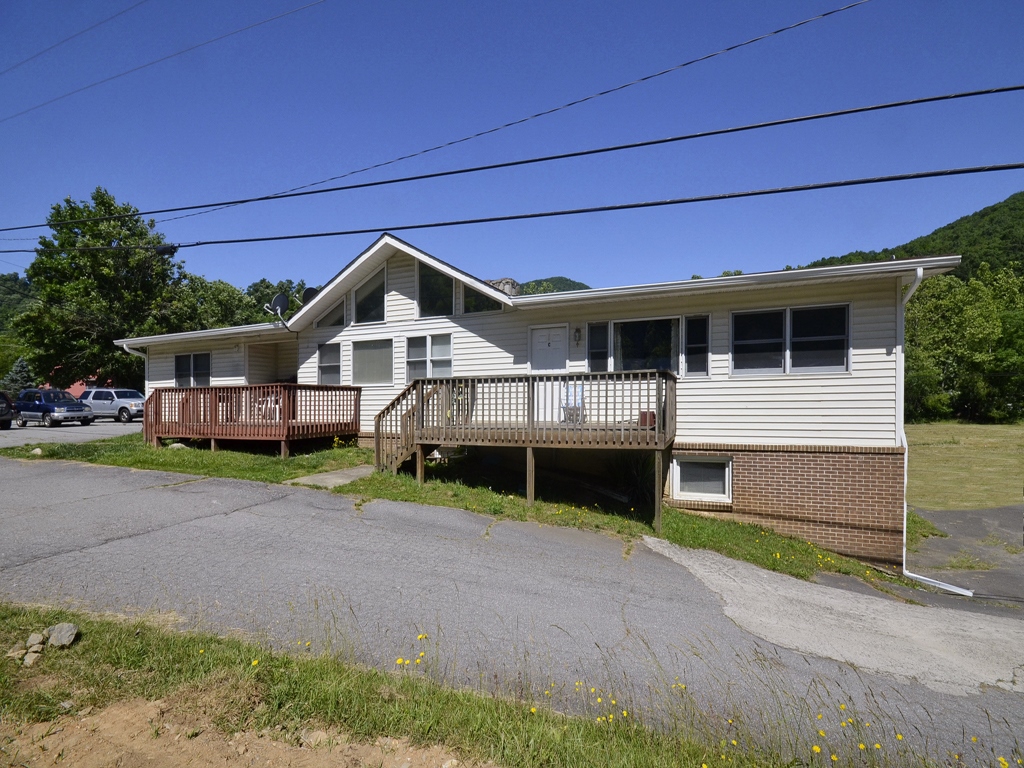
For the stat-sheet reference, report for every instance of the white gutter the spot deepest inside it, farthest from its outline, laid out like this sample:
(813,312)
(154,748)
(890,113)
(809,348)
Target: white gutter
(900,383)
(143,355)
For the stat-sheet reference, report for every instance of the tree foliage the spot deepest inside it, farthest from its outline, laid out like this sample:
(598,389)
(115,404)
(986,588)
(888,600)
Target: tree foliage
(19,377)
(552,285)
(965,347)
(263,291)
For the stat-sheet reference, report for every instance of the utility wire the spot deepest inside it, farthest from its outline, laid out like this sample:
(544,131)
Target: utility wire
(570,211)
(158,61)
(69,39)
(550,158)
(553,110)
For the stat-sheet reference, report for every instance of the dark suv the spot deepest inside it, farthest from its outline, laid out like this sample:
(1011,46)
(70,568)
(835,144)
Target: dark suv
(7,412)
(51,407)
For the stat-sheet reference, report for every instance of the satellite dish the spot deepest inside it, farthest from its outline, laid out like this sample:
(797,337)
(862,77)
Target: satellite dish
(278,305)
(308,295)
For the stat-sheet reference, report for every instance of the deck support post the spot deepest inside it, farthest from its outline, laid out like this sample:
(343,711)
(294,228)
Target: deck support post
(284,449)
(213,445)
(531,475)
(421,469)
(662,462)
(659,489)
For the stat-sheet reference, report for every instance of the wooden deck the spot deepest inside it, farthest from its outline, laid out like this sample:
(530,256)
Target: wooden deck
(279,412)
(628,410)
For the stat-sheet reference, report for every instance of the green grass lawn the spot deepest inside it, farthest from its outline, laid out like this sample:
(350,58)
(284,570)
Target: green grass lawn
(256,688)
(965,466)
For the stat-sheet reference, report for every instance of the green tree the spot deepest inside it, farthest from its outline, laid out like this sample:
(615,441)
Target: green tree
(263,291)
(96,281)
(19,377)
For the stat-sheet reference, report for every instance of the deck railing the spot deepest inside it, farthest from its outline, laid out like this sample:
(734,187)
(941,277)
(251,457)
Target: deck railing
(628,409)
(254,412)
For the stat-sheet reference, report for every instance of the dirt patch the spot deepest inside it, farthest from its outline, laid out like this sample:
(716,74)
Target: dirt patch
(158,734)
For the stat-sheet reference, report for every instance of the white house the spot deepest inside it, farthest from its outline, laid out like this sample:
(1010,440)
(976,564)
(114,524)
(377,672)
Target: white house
(773,398)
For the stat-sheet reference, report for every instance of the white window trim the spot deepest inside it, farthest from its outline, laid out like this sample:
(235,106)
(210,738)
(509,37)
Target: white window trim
(419,314)
(677,493)
(611,338)
(787,369)
(318,364)
(462,301)
(682,347)
(430,358)
(192,368)
(352,298)
(344,315)
(352,358)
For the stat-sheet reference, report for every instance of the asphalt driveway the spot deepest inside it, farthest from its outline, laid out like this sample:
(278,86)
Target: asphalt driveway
(511,606)
(68,433)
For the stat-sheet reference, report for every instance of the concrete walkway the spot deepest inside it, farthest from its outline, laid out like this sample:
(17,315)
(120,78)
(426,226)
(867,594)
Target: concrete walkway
(333,479)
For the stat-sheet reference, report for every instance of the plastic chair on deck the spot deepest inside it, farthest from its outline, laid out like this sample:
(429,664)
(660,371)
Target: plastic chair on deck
(573,408)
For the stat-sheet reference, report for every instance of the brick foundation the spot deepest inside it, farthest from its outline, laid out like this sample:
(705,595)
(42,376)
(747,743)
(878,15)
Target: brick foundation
(846,499)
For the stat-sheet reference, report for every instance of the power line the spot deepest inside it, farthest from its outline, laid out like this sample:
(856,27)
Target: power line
(158,61)
(572,211)
(555,157)
(69,39)
(553,110)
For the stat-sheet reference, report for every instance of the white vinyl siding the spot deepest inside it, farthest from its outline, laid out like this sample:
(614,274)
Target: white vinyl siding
(227,359)
(855,407)
(262,363)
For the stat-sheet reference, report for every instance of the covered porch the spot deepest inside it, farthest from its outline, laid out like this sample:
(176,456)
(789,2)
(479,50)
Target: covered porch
(273,412)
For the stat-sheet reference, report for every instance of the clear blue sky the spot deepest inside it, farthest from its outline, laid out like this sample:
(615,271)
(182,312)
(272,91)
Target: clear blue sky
(342,85)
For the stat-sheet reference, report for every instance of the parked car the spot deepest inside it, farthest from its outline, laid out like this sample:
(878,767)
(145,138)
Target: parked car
(121,404)
(7,411)
(51,408)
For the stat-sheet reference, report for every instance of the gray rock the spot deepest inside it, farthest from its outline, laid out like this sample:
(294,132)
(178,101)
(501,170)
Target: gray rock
(17,654)
(66,705)
(37,648)
(177,446)
(62,635)
(35,639)
(19,647)
(315,738)
(30,659)
(36,452)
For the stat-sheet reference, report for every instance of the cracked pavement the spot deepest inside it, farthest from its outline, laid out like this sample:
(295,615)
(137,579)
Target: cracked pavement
(508,606)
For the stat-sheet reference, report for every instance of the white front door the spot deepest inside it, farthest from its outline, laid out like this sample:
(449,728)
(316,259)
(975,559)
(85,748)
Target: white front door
(548,354)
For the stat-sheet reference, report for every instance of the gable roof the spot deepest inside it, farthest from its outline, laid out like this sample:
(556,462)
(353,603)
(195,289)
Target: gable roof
(367,263)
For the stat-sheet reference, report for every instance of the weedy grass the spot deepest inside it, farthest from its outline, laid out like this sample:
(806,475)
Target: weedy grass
(266,467)
(965,466)
(258,688)
(919,529)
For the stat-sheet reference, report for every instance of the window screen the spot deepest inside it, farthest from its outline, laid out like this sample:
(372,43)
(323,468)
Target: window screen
(696,351)
(647,345)
(370,299)
(372,362)
(820,339)
(758,341)
(437,293)
(703,478)
(329,364)
(192,370)
(597,347)
(428,357)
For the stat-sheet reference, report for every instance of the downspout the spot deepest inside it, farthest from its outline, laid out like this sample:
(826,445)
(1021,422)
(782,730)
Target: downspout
(900,376)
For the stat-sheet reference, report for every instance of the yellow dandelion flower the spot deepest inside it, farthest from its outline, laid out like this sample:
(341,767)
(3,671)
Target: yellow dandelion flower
(877,745)
(255,662)
(819,715)
(610,718)
(613,702)
(422,654)
(1003,762)
(899,737)
(867,725)
(202,650)
(974,739)
(593,690)
(399,660)
(599,699)
(407,662)
(816,749)
(861,746)
(418,660)
(734,742)
(625,713)
(308,643)
(842,706)
(533,710)
(842,724)
(835,759)
(821,733)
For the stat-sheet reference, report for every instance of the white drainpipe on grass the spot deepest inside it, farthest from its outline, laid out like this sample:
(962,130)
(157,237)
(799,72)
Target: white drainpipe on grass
(900,375)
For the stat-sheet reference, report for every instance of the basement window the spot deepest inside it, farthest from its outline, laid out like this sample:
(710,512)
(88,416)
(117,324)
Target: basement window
(702,478)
